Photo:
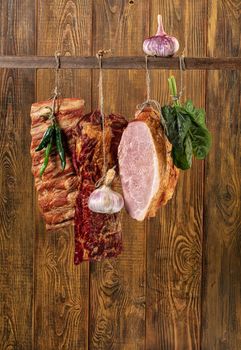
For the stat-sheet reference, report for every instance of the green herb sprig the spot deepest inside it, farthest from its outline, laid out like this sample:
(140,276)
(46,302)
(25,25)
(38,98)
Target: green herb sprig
(53,135)
(187,130)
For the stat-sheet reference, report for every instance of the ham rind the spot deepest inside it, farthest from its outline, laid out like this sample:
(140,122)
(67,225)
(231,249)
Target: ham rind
(148,175)
(97,236)
(57,190)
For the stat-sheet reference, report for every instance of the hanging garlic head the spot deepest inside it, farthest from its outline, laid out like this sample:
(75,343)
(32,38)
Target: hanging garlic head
(104,200)
(161,44)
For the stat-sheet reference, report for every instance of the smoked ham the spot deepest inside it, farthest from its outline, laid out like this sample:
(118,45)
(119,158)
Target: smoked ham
(148,175)
(97,236)
(57,190)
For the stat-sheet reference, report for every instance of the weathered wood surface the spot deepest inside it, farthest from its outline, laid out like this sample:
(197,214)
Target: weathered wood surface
(174,243)
(121,62)
(149,297)
(117,297)
(16,184)
(61,289)
(221,307)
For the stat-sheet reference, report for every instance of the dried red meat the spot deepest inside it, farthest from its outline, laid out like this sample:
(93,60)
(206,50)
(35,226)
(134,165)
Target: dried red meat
(97,236)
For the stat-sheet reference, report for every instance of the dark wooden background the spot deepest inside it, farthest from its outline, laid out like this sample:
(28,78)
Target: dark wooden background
(177,284)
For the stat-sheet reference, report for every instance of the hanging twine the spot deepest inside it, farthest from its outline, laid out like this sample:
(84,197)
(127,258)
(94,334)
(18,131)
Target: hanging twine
(57,68)
(148,80)
(99,56)
(56,88)
(149,102)
(56,92)
(182,68)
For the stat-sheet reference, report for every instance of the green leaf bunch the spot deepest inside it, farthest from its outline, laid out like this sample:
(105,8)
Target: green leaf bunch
(187,130)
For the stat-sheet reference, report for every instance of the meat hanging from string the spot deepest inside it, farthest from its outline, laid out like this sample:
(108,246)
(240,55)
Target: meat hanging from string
(97,236)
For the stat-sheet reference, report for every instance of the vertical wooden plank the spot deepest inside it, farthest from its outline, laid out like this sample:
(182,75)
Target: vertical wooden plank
(221,309)
(117,304)
(174,239)
(61,311)
(17,91)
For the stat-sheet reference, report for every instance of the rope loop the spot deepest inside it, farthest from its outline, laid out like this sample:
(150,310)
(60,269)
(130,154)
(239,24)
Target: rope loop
(154,104)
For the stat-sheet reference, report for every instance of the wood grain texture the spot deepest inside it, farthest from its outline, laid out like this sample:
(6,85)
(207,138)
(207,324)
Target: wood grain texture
(121,62)
(61,298)
(17,90)
(221,307)
(174,244)
(149,297)
(117,288)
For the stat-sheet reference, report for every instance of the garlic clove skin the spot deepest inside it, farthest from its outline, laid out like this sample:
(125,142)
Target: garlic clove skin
(161,44)
(105,201)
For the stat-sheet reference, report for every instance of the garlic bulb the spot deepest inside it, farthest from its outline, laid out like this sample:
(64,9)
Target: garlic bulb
(160,44)
(104,200)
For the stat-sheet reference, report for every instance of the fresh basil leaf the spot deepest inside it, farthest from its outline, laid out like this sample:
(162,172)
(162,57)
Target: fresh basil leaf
(182,156)
(201,141)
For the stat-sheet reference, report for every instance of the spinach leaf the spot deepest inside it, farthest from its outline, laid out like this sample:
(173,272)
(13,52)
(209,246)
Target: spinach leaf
(183,124)
(198,117)
(177,125)
(201,141)
(182,156)
(170,120)
(188,106)
(196,114)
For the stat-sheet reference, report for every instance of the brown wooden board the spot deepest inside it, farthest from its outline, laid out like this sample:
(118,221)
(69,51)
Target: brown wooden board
(174,238)
(149,297)
(61,297)
(17,91)
(121,62)
(221,301)
(117,288)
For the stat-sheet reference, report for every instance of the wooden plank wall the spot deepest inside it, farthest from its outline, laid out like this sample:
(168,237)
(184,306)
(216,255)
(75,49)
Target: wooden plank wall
(61,289)
(221,306)
(177,285)
(17,219)
(174,243)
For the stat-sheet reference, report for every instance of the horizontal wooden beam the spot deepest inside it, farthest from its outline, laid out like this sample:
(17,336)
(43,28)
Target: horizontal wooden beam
(131,62)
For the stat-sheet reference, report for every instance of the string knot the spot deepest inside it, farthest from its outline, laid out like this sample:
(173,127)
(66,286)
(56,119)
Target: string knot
(102,52)
(177,97)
